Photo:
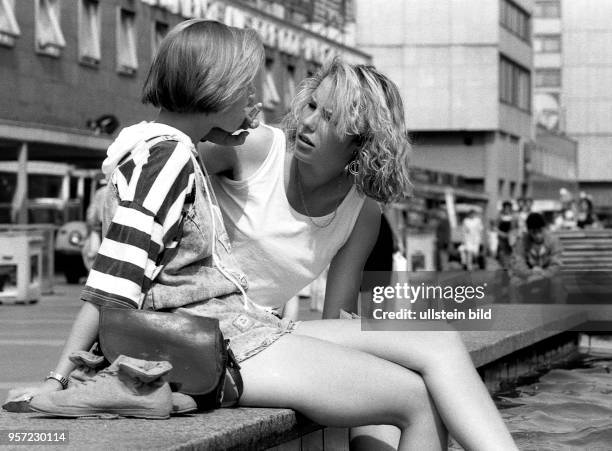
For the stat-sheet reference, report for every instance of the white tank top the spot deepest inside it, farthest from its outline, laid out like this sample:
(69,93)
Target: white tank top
(280,250)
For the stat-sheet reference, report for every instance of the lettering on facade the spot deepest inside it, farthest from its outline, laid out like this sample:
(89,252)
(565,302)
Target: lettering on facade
(285,39)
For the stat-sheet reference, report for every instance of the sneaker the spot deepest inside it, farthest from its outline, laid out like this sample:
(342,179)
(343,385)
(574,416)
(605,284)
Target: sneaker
(87,365)
(18,405)
(182,403)
(128,388)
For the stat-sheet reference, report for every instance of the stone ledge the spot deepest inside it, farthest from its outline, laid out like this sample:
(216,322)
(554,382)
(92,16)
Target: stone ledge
(519,326)
(257,429)
(225,429)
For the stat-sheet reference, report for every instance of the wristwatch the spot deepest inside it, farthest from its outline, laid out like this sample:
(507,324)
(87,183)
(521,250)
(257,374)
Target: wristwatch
(58,377)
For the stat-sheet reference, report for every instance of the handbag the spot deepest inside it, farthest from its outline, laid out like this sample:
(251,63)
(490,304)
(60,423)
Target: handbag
(194,345)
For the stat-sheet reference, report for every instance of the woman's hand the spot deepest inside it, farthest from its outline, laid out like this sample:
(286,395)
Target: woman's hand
(226,139)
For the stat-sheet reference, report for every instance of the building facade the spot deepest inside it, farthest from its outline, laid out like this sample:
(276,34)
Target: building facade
(551,165)
(464,70)
(71,71)
(573,63)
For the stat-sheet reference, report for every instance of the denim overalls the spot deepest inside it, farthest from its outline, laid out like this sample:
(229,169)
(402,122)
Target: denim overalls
(201,277)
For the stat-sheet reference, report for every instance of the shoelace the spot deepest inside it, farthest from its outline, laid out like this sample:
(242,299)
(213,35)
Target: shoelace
(105,372)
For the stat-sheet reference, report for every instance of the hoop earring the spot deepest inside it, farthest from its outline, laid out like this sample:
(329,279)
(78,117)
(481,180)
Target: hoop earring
(353,167)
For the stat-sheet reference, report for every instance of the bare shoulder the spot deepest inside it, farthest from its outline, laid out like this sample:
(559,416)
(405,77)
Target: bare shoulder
(232,160)
(367,224)
(261,136)
(252,154)
(370,212)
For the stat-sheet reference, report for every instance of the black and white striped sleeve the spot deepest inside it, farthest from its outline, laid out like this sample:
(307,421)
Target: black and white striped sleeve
(152,191)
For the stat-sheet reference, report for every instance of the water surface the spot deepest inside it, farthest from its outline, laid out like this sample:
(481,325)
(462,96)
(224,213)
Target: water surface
(566,409)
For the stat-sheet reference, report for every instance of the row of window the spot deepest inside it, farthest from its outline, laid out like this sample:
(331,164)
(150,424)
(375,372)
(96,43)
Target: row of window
(547,43)
(49,39)
(515,19)
(547,9)
(548,78)
(271,97)
(515,84)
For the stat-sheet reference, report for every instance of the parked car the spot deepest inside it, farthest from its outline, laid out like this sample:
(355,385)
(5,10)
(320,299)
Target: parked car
(58,194)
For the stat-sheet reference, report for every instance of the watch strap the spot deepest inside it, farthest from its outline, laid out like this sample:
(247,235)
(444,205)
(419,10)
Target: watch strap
(63,380)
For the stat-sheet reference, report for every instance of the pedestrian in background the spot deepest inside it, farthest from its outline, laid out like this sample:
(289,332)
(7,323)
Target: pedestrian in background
(523,208)
(93,219)
(536,262)
(506,234)
(443,240)
(585,217)
(472,230)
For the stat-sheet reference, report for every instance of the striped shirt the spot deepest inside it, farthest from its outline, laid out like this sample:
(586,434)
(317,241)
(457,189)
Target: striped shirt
(153,185)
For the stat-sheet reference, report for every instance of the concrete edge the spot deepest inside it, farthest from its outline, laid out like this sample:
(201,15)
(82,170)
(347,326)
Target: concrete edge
(503,343)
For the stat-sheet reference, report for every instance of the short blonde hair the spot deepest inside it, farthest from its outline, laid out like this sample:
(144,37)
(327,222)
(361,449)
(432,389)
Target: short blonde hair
(202,66)
(365,105)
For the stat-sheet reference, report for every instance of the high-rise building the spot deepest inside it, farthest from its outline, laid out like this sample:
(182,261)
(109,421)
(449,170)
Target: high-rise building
(573,85)
(464,70)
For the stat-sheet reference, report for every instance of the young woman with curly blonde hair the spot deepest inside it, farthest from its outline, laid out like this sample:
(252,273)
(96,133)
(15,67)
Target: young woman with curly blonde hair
(299,199)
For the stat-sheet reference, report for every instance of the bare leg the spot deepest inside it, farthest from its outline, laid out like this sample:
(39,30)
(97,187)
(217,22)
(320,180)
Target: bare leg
(380,437)
(441,358)
(341,387)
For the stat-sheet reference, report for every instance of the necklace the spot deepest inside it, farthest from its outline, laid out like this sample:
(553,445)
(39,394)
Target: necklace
(298,182)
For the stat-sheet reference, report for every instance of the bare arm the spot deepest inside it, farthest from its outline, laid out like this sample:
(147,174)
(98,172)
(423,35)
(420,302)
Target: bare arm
(291,309)
(82,335)
(345,270)
(84,332)
(555,259)
(518,263)
(237,160)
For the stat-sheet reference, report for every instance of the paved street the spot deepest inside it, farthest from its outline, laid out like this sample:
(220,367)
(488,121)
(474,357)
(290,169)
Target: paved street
(32,336)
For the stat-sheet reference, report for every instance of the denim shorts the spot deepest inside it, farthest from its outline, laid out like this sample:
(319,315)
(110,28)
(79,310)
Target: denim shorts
(249,330)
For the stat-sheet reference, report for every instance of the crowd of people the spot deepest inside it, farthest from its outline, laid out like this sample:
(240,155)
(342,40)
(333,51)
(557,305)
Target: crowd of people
(511,223)
(575,214)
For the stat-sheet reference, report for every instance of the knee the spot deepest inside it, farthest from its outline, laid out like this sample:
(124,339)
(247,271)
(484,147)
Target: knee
(447,343)
(446,348)
(415,400)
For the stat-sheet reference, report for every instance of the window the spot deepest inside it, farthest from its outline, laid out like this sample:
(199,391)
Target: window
(160,30)
(548,78)
(547,43)
(49,36)
(547,9)
(514,84)
(9,29)
(289,93)
(127,59)
(271,98)
(514,19)
(89,32)
(524,89)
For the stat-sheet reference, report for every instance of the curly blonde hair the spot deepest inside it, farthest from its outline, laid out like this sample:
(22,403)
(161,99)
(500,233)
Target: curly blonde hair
(365,105)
